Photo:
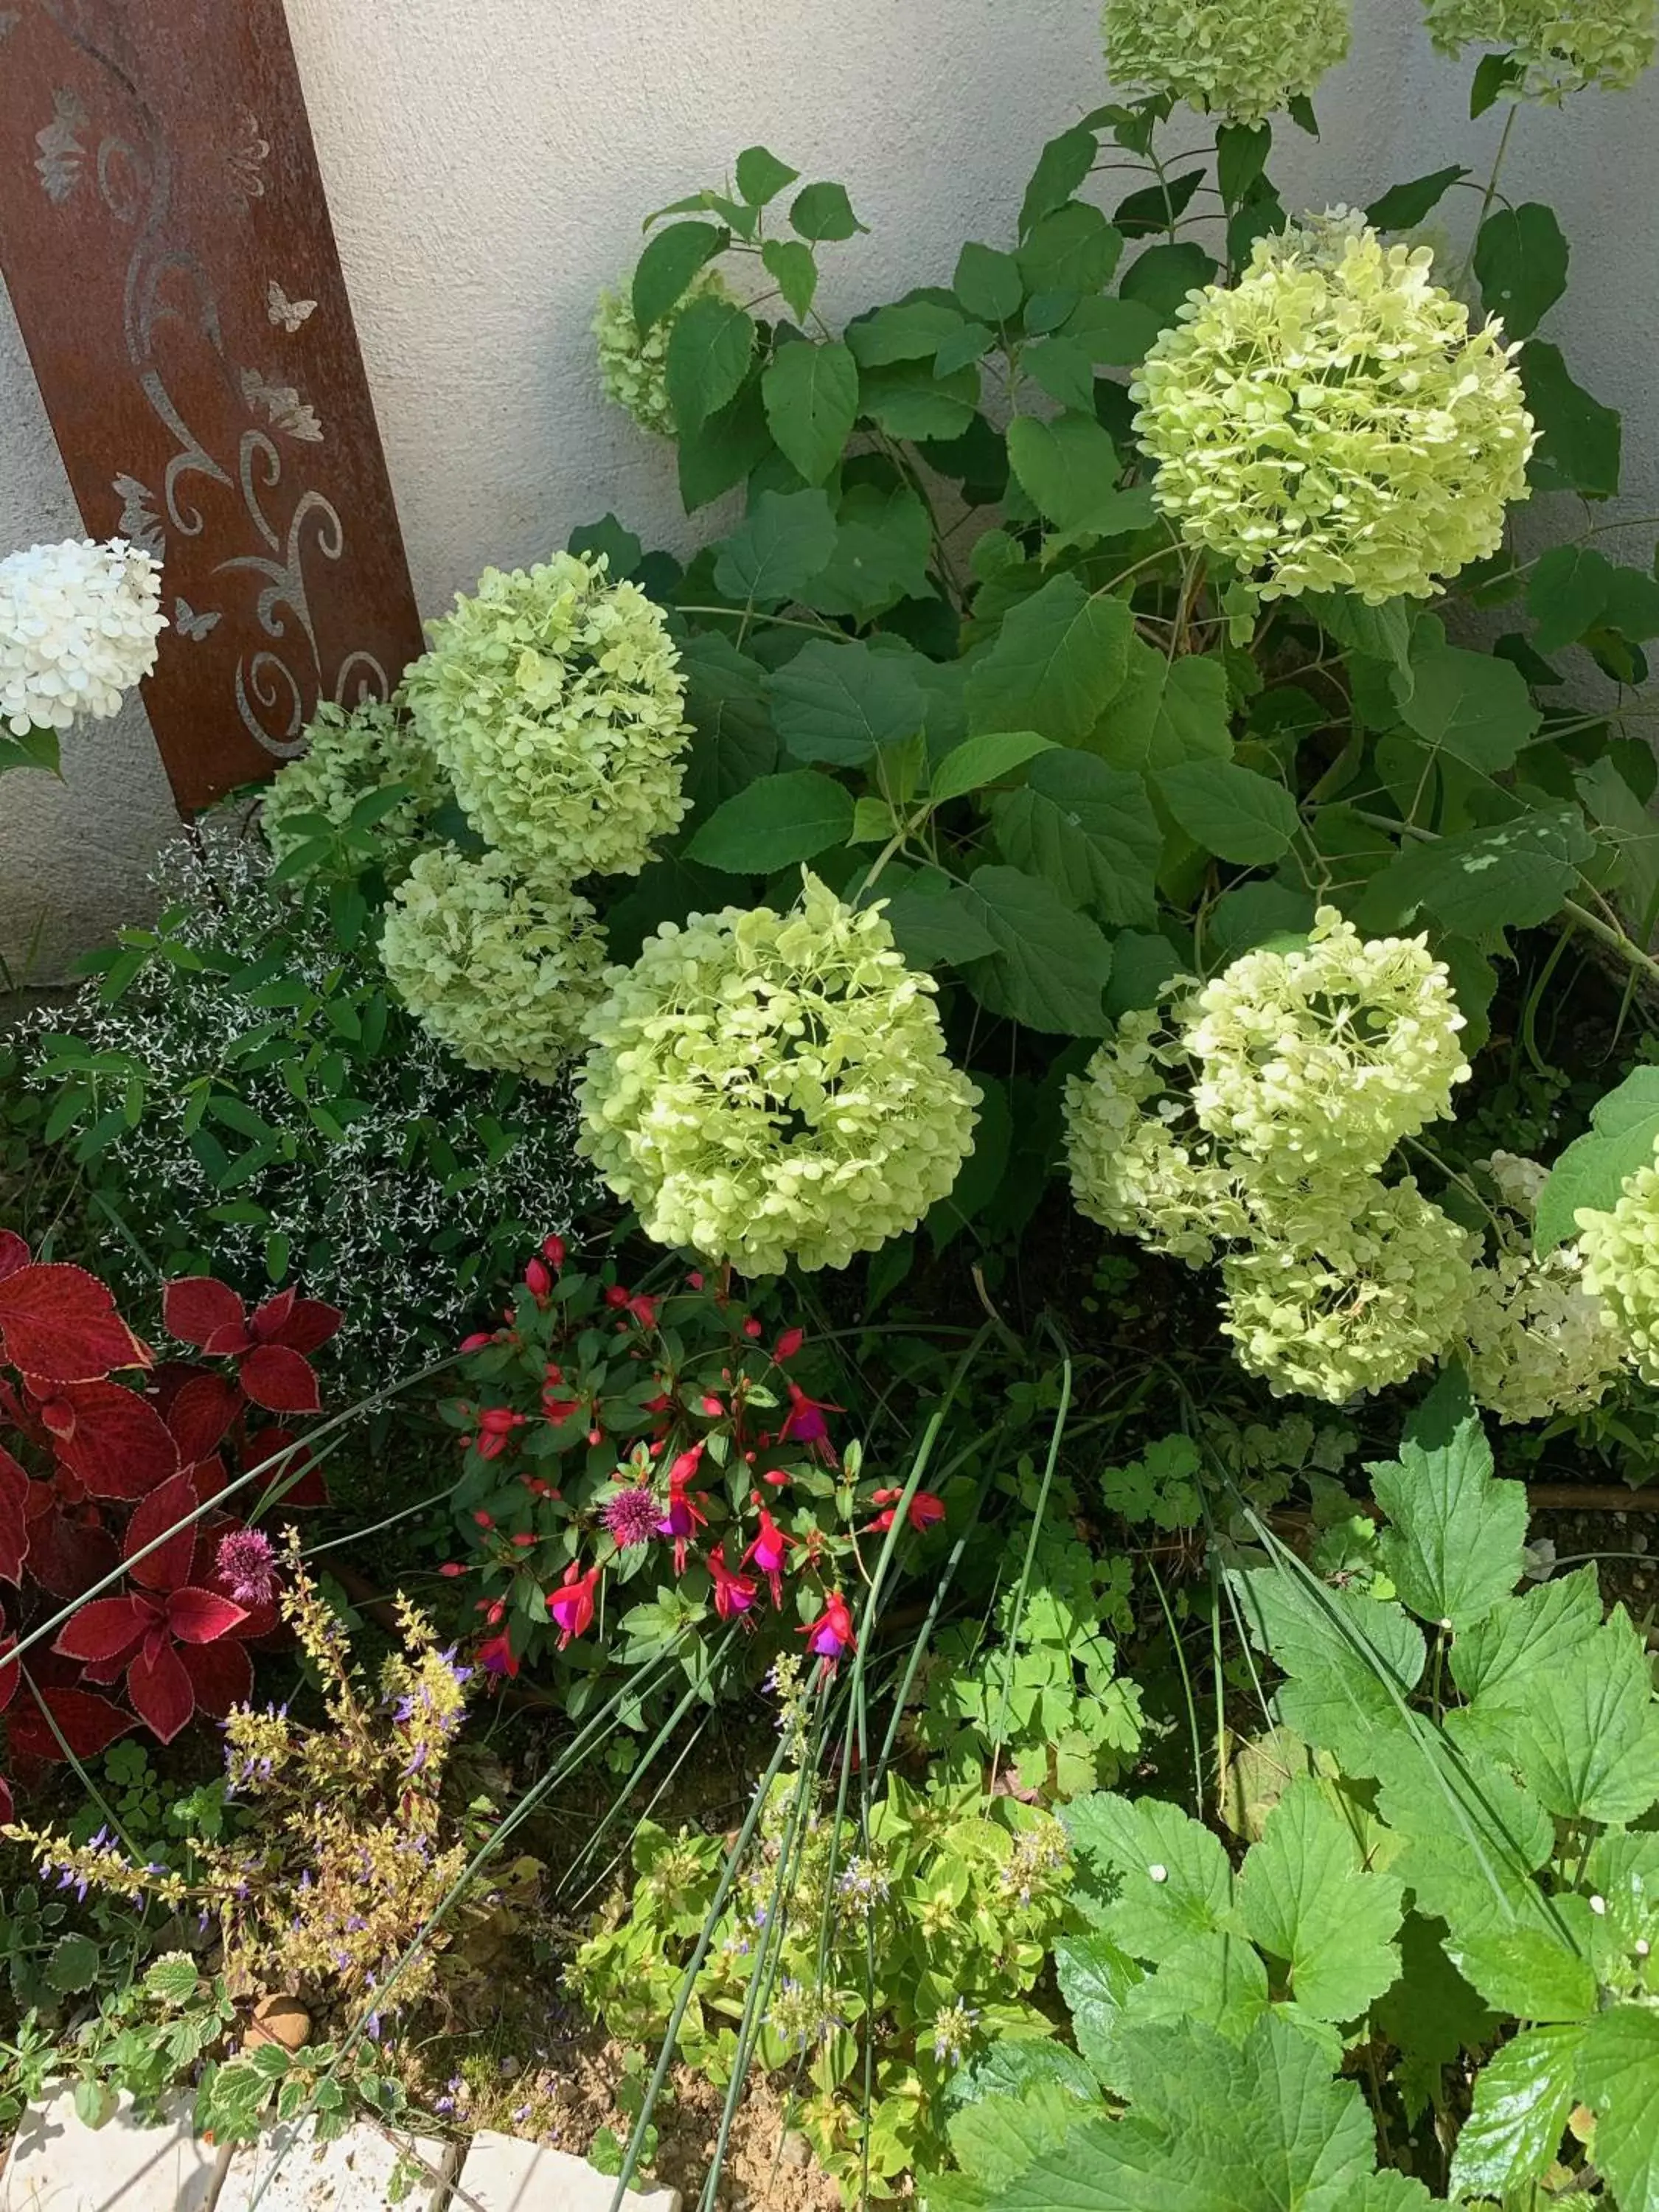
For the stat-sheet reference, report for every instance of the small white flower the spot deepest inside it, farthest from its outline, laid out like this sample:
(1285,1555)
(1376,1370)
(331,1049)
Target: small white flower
(78,626)
(1156,1873)
(1598,1906)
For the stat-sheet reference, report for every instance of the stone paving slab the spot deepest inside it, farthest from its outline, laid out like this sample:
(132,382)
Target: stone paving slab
(59,2164)
(500,2174)
(289,2171)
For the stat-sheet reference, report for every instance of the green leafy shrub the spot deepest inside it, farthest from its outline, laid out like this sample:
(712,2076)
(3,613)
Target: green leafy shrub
(1450,1874)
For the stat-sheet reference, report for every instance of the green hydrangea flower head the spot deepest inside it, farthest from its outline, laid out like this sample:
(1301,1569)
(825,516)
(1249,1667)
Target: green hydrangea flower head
(633,364)
(1347,1289)
(1242,59)
(1318,1060)
(554,702)
(350,754)
(1140,1166)
(1620,1252)
(1331,422)
(1538,1343)
(1560,45)
(766,1087)
(503,976)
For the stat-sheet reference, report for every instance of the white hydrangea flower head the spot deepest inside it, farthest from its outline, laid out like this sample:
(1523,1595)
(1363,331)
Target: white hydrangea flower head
(1518,1181)
(351,753)
(1620,1251)
(1348,1290)
(1538,1343)
(1319,1061)
(1331,422)
(1138,1166)
(553,701)
(78,626)
(767,1087)
(1242,59)
(1561,46)
(501,975)
(633,364)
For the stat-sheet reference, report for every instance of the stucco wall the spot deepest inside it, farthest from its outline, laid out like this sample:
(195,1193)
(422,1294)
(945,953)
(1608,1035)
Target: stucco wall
(487,165)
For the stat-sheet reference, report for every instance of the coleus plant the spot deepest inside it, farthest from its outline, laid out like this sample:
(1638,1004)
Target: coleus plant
(107,1460)
(1453,1879)
(620,1437)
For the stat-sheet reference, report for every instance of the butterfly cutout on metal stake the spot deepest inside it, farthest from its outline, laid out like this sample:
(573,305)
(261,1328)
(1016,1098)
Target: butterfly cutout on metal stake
(194,626)
(290,314)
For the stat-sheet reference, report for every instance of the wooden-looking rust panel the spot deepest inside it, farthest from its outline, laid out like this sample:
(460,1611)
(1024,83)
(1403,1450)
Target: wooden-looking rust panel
(165,242)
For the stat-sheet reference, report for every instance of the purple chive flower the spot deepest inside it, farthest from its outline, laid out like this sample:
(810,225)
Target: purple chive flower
(631,1516)
(246,1565)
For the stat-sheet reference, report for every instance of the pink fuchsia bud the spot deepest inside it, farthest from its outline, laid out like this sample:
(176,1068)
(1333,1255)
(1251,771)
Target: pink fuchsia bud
(711,1406)
(501,1420)
(497,1612)
(686,1464)
(485,1520)
(695,1281)
(450,1568)
(924,1511)
(536,1280)
(553,1251)
(477,1341)
(751,1327)
(524,1543)
(789,1344)
(617,1295)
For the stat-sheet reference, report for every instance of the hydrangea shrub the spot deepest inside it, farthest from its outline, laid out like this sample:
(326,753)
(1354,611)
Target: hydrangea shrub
(351,755)
(1241,59)
(1556,47)
(78,626)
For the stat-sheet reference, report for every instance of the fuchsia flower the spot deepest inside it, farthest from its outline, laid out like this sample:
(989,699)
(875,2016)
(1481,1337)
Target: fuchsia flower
(247,1566)
(769,1552)
(831,1633)
(553,1250)
(538,1280)
(571,1603)
(733,1593)
(804,1423)
(684,1514)
(789,1344)
(924,1511)
(495,1655)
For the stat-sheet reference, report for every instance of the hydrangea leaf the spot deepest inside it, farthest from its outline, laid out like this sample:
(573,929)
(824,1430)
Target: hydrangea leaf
(1063,165)
(822,211)
(1482,882)
(1402,207)
(784,541)
(1521,262)
(1455,1546)
(812,397)
(1070,469)
(1522,2096)
(761,176)
(989,283)
(1351,1661)
(1567,594)
(1305,1897)
(933,922)
(990,758)
(1623,1134)
(709,350)
(840,701)
(733,739)
(777,820)
(1171,1874)
(793,269)
(884,541)
(669,263)
(1051,964)
(1166,711)
(1231,812)
(1579,440)
(1618,2074)
(1058,658)
(1471,705)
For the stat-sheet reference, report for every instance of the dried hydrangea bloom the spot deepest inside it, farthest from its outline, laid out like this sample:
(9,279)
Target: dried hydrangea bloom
(1560,45)
(633,364)
(1139,1164)
(78,626)
(1538,1343)
(1620,1250)
(1331,422)
(553,701)
(1319,1061)
(1243,59)
(350,755)
(1349,1288)
(767,1087)
(501,975)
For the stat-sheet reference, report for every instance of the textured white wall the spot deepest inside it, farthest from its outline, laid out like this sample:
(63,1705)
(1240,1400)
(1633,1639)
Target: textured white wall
(487,166)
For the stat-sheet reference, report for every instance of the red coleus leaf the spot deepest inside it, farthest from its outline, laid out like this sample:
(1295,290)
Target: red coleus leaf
(104,1626)
(10,1673)
(265,1323)
(306,1325)
(195,1308)
(87,1723)
(117,1442)
(169,1512)
(14,1252)
(200,1616)
(162,1693)
(60,1323)
(67,1556)
(287,1461)
(280,1380)
(221,1675)
(201,1414)
(14,1518)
